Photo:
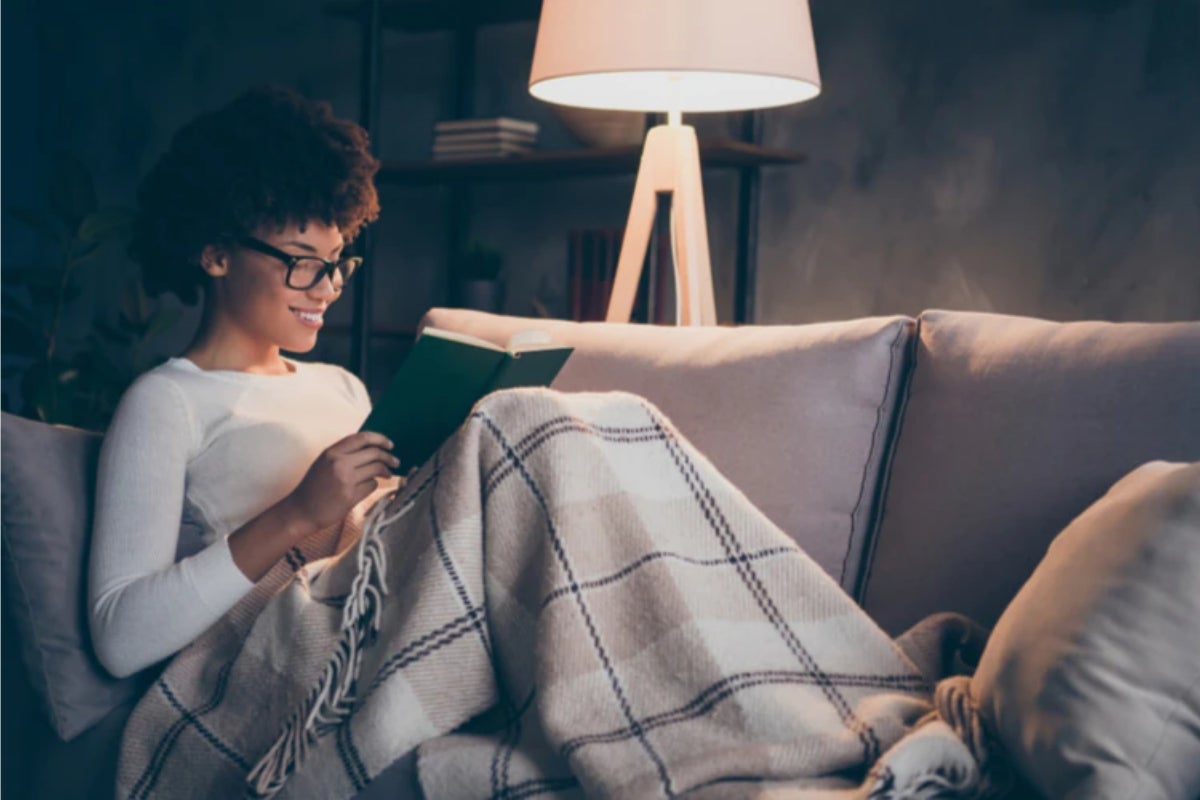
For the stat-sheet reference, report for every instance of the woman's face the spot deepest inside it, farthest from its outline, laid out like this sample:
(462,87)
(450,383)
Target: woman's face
(256,299)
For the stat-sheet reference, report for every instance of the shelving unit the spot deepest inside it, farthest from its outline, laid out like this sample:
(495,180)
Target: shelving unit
(553,164)
(464,17)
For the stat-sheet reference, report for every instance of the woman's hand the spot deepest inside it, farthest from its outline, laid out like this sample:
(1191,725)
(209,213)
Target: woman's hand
(341,477)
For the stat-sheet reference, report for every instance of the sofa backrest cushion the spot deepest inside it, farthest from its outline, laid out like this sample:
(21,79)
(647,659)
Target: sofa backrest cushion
(48,476)
(1010,428)
(796,416)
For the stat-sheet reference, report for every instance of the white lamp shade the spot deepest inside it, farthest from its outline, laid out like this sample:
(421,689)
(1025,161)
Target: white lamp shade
(668,55)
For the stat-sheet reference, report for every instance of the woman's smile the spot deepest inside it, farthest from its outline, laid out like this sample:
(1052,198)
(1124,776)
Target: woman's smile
(310,319)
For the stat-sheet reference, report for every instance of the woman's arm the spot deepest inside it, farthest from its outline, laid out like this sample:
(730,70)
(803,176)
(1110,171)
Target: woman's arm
(143,606)
(261,542)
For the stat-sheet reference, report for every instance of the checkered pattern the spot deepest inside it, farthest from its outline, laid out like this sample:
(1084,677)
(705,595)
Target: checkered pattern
(568,563)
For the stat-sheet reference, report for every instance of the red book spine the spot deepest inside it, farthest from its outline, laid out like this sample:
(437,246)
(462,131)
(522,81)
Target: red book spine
(591,289)
(606,271)
(601,300)
(575,273)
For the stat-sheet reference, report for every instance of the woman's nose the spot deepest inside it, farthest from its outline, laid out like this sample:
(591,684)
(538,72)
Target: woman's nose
(326,288)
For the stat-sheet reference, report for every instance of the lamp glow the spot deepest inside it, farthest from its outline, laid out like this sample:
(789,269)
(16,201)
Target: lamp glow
(673,56)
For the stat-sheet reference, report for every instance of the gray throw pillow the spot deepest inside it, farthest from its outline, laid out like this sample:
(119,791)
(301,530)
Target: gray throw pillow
(48,474)
(1091,678)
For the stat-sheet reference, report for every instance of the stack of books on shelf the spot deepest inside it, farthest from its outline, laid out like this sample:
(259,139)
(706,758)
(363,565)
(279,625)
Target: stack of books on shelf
(494,137)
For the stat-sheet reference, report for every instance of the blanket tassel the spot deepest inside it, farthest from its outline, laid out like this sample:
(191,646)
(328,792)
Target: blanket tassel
(331,700)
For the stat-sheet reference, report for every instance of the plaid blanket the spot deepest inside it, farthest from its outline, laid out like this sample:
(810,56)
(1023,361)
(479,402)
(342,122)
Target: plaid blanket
(568,600)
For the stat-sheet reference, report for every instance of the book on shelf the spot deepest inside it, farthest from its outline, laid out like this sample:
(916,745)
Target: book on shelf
(577,282)
(445,374)
(498,147)
(478,152)
(496,137)
(605,257)
(591,263)
(485,125)
(592,256)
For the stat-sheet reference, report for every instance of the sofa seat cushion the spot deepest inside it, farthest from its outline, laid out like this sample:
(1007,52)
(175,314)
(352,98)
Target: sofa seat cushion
(1092,676)
(797,416)
(1010,428)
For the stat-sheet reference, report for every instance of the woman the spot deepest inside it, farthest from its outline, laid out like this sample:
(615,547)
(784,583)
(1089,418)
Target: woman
(220,460)
(571,549)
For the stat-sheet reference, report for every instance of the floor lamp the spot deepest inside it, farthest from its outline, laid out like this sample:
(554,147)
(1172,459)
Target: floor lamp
(672,56)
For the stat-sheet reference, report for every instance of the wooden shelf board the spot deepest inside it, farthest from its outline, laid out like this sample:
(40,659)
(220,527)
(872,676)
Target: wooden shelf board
(547,164)
(424,16)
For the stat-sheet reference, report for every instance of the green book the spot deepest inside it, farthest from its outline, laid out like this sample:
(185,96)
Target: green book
(444,376)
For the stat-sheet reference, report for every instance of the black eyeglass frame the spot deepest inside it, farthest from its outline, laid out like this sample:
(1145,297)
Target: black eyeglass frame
(291,260)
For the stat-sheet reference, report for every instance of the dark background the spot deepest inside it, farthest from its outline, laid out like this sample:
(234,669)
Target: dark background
(1036,157)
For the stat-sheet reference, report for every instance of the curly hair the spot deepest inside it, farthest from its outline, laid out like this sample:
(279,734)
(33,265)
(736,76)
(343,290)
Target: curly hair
(269,157)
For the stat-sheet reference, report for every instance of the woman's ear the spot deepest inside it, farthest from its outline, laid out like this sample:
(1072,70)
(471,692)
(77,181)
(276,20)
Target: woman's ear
(214,260)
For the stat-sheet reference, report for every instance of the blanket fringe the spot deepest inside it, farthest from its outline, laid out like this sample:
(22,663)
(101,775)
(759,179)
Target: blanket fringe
(954,703)
(332,699)
(954,706)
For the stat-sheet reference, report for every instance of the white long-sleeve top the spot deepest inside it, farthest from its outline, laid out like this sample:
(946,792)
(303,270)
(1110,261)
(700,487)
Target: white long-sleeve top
(189,457)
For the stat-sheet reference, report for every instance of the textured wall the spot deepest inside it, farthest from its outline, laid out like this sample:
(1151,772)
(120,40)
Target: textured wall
(1034,157)
(1025,156)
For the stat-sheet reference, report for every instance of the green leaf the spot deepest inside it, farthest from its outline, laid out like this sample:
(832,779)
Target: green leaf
(105,223)
(83,254)
(11,298)
(43,295)
(20,337)
(40,222)
(135,305)
(35,393)
(72,190)
(162,320)
(143,302)
(111,334)
(130,327)
(129,305)
(48,295)
(34,319)
(32,276)
(50,389)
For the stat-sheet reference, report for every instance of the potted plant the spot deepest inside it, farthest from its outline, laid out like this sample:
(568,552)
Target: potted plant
(74,380)
(477,279)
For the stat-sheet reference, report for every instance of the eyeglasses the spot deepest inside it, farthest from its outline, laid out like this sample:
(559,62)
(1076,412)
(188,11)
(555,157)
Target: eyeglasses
(305,272)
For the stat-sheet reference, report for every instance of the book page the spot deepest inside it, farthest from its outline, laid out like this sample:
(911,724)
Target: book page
(529,339)
(462,338)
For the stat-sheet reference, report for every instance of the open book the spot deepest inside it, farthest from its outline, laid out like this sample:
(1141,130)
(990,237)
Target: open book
(444,376)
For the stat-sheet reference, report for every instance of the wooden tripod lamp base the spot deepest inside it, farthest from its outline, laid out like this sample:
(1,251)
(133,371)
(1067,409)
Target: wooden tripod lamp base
(670,163)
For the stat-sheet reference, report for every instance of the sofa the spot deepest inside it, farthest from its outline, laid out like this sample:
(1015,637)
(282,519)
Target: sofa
(926,463)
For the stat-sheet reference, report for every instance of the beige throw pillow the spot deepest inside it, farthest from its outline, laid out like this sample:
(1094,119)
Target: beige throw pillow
(49,476)
(1091,677)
